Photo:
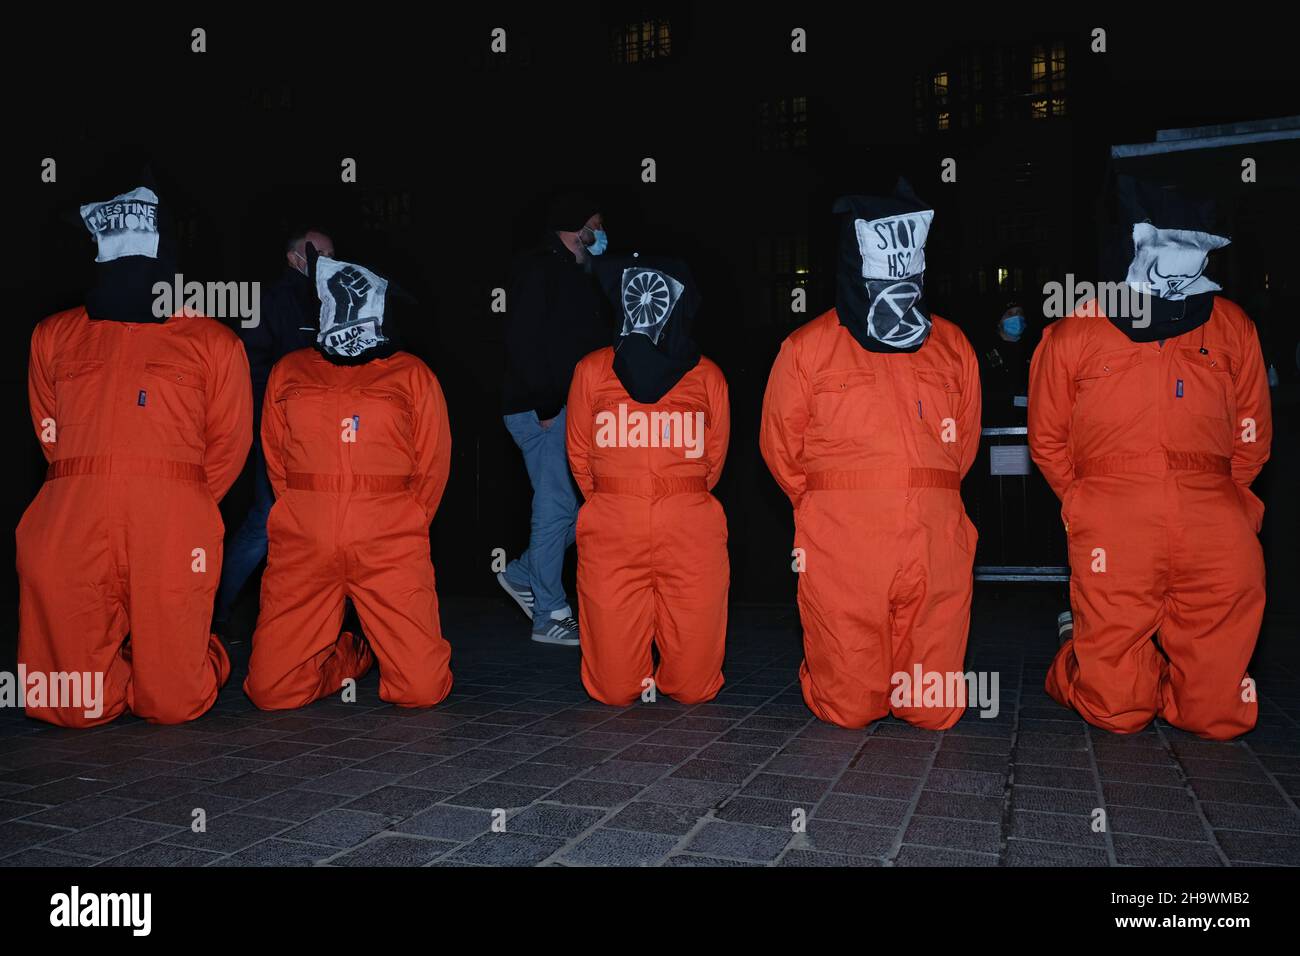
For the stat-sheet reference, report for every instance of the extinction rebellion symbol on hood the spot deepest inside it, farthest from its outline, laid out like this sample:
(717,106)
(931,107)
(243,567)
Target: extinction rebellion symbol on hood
(893,318)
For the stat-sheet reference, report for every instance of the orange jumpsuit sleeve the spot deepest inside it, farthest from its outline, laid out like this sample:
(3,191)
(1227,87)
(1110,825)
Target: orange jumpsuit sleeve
(273,429)
(717,436)
(432,444)
(230,418)
(577,430)
(968,423)
(1255,403)
(1051,406)
(40,387)
(787,407)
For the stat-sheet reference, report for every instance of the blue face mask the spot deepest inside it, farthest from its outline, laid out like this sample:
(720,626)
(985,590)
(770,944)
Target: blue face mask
(1014,326)
(599,244)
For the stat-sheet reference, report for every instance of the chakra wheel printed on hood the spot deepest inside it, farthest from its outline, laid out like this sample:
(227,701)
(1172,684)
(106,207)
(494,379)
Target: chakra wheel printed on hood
(648,300)
(658,300)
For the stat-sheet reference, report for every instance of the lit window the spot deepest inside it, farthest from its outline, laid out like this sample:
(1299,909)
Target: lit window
(1047,80)
(788,258)
(943,121)
(1038,70)
(644,40)
(1002,278)
(783,123)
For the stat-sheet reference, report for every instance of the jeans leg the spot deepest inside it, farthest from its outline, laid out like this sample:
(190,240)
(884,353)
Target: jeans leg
(248,546)
(554,513)
(526,432)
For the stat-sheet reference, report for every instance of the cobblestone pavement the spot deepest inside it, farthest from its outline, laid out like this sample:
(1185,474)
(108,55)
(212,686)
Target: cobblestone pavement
(719,784)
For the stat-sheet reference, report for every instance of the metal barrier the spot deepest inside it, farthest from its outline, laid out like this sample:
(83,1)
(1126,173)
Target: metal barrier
(1015,511)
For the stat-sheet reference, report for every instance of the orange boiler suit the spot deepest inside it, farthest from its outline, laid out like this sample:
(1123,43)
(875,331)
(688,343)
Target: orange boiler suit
(871,449)
(358,457)
(1152,448)
(652,540)
(145,427)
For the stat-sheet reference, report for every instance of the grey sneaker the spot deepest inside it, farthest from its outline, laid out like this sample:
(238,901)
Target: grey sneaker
(523,596)
(1064,627)
(556,631)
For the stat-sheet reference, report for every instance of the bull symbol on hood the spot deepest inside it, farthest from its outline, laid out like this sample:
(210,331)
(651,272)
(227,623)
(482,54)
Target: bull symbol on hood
(1171,263)
(1177,259)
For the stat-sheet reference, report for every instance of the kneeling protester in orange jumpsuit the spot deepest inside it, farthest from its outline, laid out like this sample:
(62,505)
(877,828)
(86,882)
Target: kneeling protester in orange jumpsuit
(145,420)
(647,431)
(1149,415)
(870,420)
(358,449)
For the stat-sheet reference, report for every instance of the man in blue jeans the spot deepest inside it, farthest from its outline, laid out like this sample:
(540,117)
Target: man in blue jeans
(555,315)
(288,322)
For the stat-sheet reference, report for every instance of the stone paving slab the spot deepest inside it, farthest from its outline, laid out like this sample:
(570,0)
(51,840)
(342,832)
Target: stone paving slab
(519,768)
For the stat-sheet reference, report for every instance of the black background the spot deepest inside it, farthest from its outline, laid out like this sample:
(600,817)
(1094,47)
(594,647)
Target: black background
(457,150)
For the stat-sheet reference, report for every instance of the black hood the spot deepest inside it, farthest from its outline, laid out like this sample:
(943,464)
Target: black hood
(880,281)
(656,299)
(123,286)
(1139,235)
(397,305)
(569,212)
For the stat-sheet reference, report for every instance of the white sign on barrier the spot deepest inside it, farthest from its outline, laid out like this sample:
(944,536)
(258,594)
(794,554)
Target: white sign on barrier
(1009,460)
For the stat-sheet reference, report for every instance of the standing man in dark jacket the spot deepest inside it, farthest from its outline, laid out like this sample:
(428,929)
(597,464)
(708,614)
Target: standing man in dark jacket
(1004,354)
(288,322)
(555,315)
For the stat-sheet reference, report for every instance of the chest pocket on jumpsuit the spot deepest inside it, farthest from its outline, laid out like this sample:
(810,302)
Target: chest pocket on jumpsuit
(312,429)
(606,442)
(846,406)
(176,397)
(682,429)
(1208,402)
(385,427)
(1102,406)
(939,397)
(77,391)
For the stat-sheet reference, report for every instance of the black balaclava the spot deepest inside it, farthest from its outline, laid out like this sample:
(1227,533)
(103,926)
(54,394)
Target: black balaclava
(358,310)
(657,299)
(1160,247)
(880,286)
(136,250)
(569,212)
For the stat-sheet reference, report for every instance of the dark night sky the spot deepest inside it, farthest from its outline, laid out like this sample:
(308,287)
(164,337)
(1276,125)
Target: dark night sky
(464,146)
